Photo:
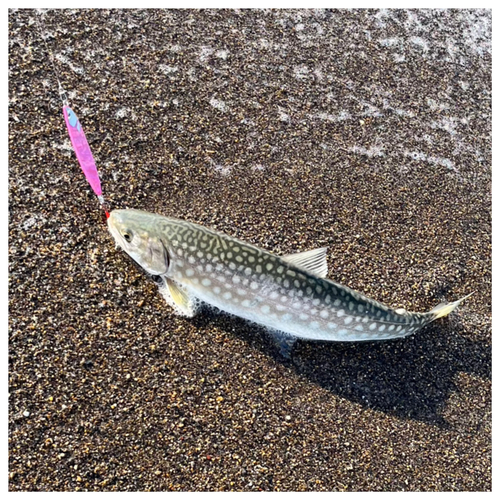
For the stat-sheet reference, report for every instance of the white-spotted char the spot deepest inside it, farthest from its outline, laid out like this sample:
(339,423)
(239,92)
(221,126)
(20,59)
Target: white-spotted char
(289,294)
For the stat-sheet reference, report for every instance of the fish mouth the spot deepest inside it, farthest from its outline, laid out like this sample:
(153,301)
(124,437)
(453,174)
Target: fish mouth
(114,230)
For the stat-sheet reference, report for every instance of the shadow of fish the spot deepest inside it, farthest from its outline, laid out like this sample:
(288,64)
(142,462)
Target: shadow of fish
(289,294)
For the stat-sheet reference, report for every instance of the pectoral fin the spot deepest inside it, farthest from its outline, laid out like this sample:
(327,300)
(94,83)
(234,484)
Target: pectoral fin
(313,261)
(178,297)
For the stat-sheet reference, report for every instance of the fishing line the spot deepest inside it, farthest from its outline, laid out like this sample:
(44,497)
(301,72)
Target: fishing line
(75,130)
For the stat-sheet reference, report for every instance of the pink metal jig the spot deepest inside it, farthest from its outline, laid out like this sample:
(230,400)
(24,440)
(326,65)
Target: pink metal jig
(83,152)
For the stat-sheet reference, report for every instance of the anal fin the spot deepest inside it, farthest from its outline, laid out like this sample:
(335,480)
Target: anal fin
(284,342)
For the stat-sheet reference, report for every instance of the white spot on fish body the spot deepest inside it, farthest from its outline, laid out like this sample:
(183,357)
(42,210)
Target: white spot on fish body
(381,328)
(359,328)
(332,326)
(303,316)
(373,326)
(314,324)
(206,282)
(340,313)
(254,285)
(348,320)
(216,290)
(236,279)
(324,313)
(189,272)
(265,309)
(227,295)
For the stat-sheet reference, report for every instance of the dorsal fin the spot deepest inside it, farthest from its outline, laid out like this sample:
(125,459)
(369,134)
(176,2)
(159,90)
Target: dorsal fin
(313,261)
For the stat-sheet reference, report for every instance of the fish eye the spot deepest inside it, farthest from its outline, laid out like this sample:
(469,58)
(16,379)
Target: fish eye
(127,236)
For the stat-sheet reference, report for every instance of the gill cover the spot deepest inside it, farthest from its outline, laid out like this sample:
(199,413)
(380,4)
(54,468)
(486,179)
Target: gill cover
(134,232)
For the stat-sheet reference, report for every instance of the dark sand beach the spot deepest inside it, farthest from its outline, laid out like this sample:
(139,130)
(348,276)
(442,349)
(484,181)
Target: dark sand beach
(366,131)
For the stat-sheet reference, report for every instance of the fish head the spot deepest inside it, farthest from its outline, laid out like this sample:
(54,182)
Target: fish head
(134,232)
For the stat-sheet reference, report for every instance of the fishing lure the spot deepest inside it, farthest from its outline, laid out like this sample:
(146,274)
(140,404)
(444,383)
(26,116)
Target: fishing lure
(75,130)
(83,153)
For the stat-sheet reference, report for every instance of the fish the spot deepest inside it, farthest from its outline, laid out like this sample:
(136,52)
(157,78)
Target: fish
(290,295)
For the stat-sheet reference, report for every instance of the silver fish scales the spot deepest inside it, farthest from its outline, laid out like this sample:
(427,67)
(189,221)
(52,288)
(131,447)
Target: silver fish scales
(288,294)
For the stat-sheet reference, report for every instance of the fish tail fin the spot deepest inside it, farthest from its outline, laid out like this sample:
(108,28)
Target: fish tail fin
(446,308)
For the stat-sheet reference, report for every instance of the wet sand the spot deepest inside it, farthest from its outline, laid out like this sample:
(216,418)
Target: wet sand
(365,131)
